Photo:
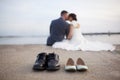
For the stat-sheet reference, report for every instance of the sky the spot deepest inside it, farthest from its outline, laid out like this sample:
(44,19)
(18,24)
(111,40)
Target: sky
(33,17)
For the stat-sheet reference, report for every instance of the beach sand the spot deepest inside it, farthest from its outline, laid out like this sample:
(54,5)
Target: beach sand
(16,62)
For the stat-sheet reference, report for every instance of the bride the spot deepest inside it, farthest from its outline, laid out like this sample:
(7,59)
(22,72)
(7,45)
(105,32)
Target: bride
(78,42)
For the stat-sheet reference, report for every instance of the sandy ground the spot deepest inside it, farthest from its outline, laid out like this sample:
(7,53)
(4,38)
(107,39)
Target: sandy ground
(16,62)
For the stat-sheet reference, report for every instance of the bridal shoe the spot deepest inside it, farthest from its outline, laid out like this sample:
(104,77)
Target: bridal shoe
(81,65)
(70,66)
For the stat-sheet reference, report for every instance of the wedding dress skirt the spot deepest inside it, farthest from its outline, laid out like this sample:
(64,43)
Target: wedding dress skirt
(78,42)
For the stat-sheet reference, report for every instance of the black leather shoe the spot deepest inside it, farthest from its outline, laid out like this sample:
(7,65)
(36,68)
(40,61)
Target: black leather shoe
(40,62)
(53,62)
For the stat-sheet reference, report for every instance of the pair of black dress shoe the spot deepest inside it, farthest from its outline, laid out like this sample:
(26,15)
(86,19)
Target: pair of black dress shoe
(49,62)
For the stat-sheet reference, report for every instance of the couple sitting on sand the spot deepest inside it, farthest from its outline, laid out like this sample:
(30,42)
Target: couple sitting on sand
(65,33)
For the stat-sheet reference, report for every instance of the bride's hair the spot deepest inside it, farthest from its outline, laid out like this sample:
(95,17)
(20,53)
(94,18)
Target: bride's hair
(74,17)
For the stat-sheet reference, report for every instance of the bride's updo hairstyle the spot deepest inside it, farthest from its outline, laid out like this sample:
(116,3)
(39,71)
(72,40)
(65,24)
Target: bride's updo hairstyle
(73,16)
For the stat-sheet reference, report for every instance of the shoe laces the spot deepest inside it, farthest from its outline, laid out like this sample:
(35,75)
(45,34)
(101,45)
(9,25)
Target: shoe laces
(40,58)
(51,56)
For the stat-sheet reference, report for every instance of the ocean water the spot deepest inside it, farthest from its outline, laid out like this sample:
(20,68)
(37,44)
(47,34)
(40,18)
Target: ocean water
(113,39)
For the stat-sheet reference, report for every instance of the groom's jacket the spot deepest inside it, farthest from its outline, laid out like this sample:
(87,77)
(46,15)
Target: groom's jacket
(58,29)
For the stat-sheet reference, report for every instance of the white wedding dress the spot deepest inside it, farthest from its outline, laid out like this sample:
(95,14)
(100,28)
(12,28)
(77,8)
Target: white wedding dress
(78,42)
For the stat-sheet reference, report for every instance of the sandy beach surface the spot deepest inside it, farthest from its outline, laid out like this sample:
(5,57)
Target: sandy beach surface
(16,62)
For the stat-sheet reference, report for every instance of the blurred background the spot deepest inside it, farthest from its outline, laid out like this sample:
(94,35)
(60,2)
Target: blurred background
(32,17)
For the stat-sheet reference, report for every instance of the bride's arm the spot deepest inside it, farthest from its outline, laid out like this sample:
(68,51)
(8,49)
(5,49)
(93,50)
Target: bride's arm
(70,33)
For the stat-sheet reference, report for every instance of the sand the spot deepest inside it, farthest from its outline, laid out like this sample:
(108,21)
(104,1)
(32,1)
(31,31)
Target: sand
(16,62)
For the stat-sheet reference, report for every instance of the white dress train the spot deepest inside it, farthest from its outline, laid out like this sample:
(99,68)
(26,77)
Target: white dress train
(78,42)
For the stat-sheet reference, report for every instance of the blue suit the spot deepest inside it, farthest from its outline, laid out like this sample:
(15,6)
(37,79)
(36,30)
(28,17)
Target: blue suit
(59,28)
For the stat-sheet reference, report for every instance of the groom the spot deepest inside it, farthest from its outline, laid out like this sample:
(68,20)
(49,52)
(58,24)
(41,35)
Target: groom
(59,28)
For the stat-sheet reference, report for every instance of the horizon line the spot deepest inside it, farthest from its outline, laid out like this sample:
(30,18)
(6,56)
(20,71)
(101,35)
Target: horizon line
(104,33)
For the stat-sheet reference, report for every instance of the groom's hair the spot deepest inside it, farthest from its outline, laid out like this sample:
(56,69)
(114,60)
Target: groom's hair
(63,12)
